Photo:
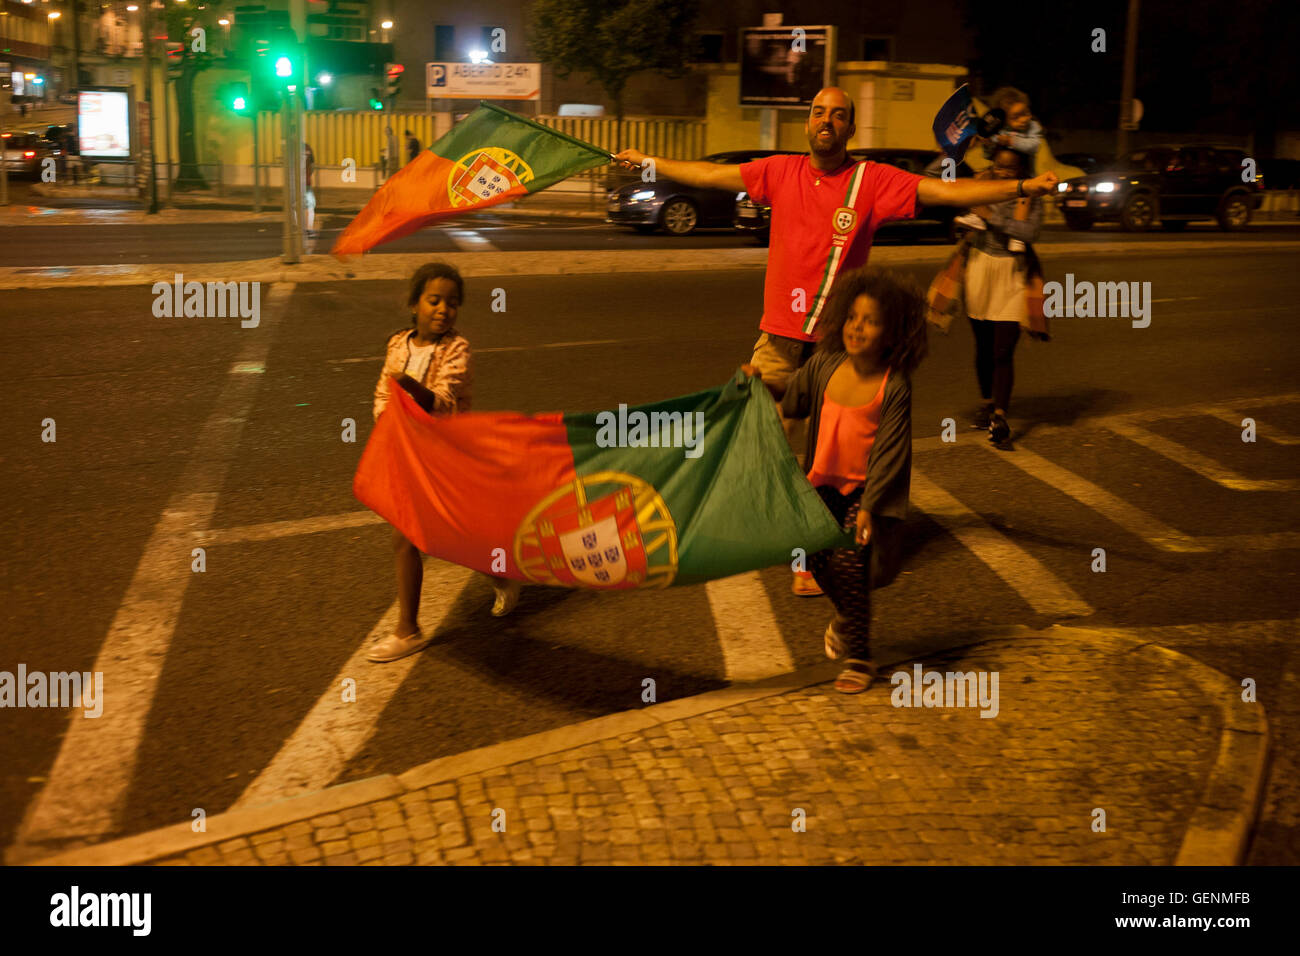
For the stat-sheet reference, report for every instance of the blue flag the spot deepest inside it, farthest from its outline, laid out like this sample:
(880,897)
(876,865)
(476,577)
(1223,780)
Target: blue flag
(955,123)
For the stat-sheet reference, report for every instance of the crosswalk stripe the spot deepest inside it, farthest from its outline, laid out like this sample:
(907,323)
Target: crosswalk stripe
(1041,590)
(283,529)
(470,240)
(1273,435)
(751,641)
(334,730)
(1195,461)
(96,761)
(1151,529)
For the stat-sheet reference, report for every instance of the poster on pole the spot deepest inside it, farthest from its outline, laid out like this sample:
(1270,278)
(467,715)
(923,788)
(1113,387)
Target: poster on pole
(784,67)
(104,125)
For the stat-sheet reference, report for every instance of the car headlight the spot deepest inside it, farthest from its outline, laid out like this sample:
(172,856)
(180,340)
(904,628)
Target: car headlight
(643,194)
(1105,187)
(1062,187)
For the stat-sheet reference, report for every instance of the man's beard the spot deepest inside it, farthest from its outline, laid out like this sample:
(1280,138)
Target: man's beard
(825,147)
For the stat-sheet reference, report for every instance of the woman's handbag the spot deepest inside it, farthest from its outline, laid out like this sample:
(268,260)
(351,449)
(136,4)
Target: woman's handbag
(944,298)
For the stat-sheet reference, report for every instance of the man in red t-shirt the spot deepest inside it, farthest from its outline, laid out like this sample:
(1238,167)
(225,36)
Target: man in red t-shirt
(825,210)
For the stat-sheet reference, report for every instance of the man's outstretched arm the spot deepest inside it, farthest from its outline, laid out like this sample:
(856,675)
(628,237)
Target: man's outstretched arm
(974,192)
(687,172)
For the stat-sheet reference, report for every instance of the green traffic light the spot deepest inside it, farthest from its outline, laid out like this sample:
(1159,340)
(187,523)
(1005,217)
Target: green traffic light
(376,104)
(239,104)
(284,66)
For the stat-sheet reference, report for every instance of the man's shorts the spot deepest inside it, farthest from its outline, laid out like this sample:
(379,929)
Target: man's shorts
(777,357)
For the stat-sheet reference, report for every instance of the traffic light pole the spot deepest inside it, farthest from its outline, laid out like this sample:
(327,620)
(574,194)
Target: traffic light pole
(257,169)
(291,122)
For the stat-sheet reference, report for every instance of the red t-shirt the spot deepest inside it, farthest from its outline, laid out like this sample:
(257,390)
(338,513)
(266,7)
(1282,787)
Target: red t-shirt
(822,226)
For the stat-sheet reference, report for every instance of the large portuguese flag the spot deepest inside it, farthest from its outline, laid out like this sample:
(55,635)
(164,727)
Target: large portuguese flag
(492,156)
(693,488)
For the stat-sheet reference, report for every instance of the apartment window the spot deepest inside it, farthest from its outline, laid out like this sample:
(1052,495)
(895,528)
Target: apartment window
(877,48)
(708,47)
(444,44)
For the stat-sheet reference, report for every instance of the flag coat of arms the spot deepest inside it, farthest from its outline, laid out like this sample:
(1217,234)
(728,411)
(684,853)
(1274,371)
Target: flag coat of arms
(697,487)
(492,156)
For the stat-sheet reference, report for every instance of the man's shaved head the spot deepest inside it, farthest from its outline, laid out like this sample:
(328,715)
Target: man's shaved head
(832,96)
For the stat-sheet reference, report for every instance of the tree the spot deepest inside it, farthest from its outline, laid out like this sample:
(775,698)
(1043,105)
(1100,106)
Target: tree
(181,24)
(611,40)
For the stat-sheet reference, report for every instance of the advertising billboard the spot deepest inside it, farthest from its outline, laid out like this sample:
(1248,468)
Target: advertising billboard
(104,124)
(484,81)
(784,67)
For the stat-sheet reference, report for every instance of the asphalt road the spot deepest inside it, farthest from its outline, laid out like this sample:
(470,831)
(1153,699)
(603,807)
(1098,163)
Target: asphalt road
(35,244)
(143,404)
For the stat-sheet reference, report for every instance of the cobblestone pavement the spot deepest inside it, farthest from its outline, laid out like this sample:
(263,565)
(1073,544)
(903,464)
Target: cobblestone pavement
(815,777)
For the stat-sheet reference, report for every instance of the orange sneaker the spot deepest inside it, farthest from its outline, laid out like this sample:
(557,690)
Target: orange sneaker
(805,585)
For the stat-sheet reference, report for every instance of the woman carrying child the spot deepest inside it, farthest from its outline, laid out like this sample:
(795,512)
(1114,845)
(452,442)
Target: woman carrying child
(856,393)
(432,362)
(999,270)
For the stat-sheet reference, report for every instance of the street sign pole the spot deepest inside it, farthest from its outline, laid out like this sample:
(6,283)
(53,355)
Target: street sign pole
(4,170)
(147,133)
(1126,118)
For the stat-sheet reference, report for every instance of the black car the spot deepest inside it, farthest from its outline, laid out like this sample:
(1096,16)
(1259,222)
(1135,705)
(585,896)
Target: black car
(676,208)
(1088,162)
(930,221)
(1174,185)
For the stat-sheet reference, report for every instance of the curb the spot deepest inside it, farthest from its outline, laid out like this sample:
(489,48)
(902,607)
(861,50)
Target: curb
(325,268)
(1217,835)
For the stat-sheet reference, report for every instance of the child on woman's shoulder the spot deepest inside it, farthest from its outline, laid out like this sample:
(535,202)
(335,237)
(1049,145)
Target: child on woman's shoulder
(432,361)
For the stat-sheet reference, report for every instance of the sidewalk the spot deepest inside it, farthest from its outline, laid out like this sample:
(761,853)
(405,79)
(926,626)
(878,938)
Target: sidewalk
(1086,720)
(237,201)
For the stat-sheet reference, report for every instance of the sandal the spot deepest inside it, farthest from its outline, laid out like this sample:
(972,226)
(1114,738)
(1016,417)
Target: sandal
(507,596)
(805,585)
(856,676)
(395,648)
(836,646)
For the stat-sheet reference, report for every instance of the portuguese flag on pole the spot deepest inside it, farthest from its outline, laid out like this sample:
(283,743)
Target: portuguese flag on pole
(697,487)
(492,156)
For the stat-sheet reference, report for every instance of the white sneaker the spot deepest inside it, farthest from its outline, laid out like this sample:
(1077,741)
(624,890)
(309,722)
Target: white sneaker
(507,597)
(394,648)
(970,221)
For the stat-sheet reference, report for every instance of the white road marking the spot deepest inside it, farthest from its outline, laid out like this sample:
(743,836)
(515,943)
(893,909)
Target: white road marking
(752,645)
(283,529)
(1040,589)
(334,731)
(1194,461)
(1134,520)
(89,779)
(1262,430)
(508,348)
(469,240)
